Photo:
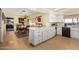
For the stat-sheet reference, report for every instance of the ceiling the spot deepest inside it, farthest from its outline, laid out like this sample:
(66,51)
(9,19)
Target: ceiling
(17,11)
(28,11)
(67,11)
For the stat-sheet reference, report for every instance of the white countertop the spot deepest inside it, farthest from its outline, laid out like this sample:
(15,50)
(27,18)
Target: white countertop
(33,28)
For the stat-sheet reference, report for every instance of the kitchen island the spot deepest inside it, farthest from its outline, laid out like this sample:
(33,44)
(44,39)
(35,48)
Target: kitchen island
(38,35)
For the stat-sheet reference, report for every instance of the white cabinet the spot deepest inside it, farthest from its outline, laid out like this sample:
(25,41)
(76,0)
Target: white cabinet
(59,30)
(39,35)
(53,32)
(60,18)
(55,18)
(31,35)
(45,34)
(75,33)
(49,33)
(35,36)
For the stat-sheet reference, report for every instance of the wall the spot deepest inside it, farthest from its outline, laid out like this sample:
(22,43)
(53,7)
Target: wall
(36,14)
(15,22)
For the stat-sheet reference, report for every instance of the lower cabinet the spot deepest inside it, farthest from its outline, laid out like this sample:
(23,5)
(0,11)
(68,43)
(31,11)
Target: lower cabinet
(59,30)
(45,34)
(38,35)
(51,32)
(75,34)
(31,35)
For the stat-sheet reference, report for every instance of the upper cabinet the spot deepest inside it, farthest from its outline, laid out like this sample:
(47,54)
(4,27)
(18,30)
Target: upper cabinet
(59,18)
(52,17)
(56,19)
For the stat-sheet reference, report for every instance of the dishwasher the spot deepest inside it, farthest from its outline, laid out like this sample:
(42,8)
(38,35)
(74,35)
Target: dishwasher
(66,31)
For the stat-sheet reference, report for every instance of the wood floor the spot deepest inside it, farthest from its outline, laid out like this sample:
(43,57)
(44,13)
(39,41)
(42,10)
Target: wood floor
(12,42)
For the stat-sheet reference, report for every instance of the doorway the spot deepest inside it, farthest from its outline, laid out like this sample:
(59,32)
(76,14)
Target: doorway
(9,24)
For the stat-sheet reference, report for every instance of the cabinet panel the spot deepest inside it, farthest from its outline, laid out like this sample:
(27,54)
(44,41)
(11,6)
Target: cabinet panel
(45,34)
(75,34)
(31,37)
(51,32)
(38,36)
(36,41)
(59,31)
